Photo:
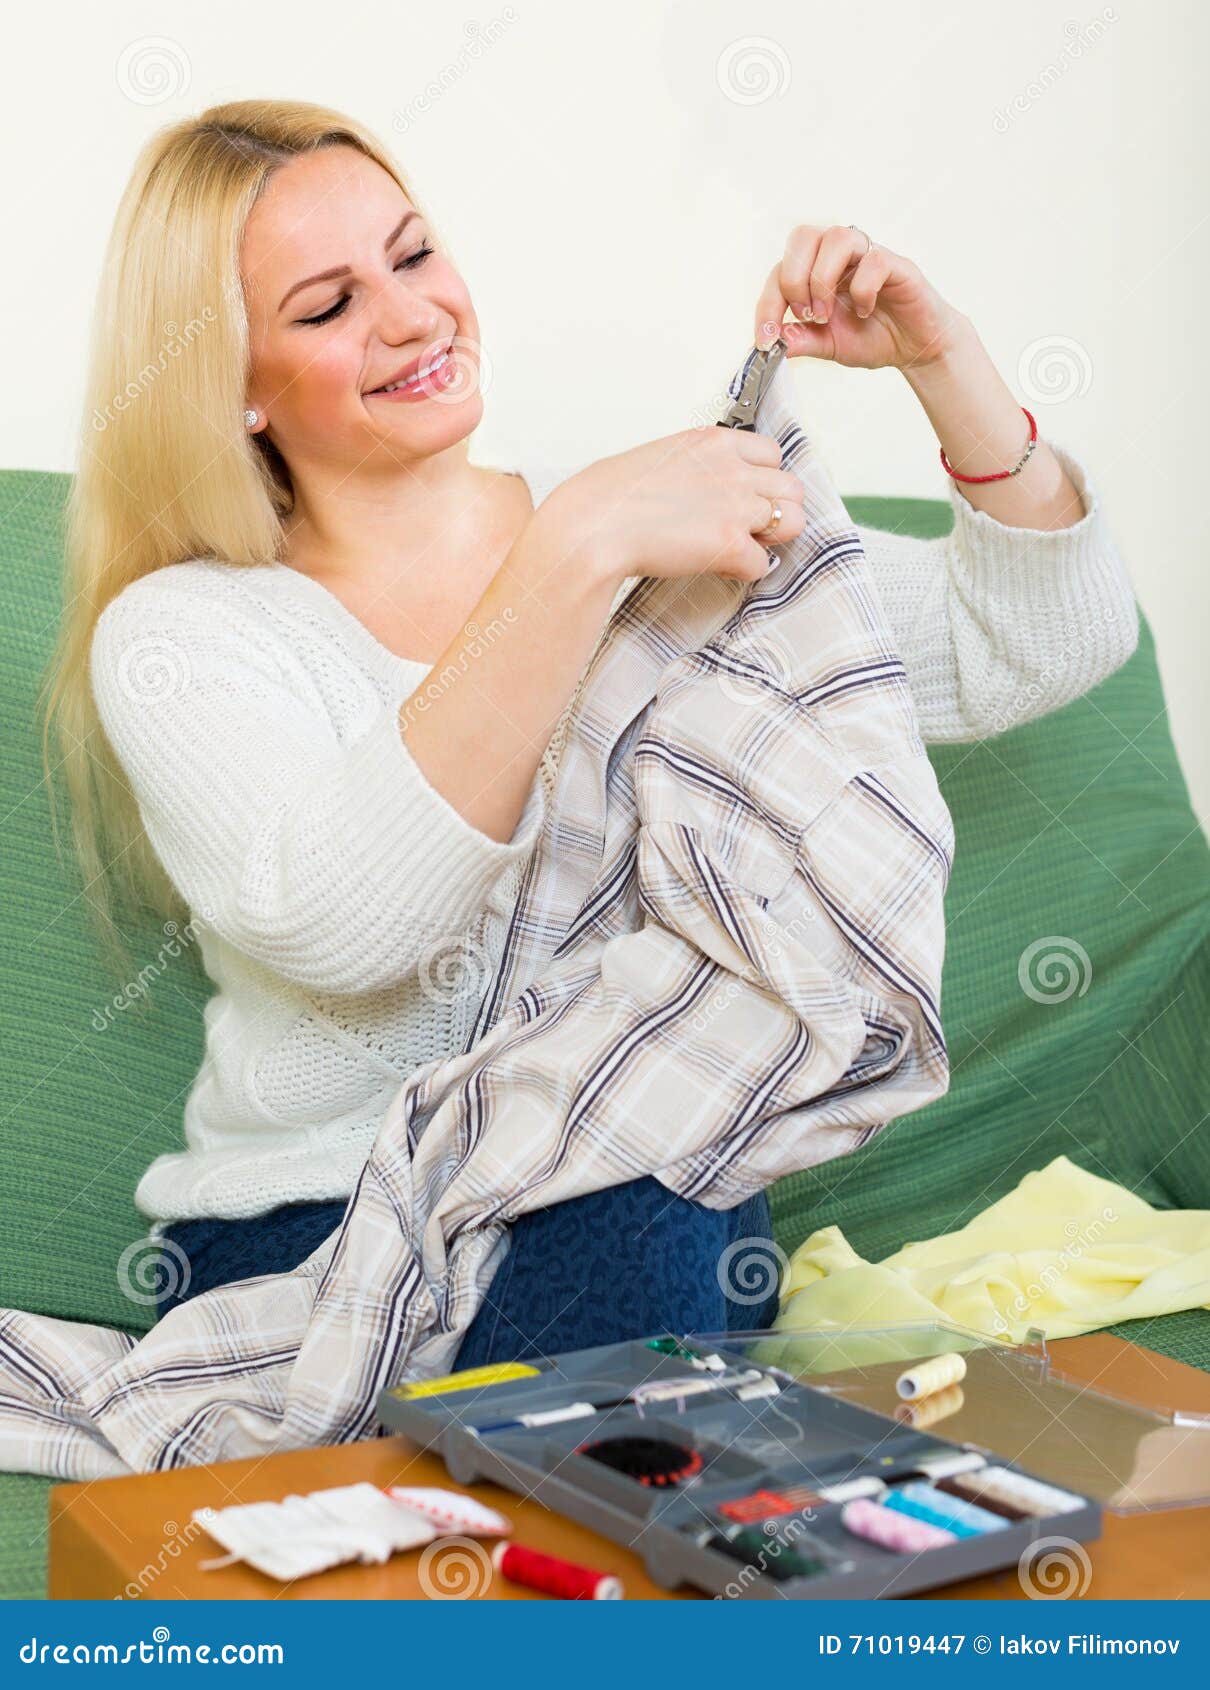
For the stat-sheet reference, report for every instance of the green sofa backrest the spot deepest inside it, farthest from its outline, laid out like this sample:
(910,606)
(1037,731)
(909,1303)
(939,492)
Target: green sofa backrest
(1076,990)
(1077,825)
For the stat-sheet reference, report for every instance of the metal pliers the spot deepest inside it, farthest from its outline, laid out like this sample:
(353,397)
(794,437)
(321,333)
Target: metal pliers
(758,374)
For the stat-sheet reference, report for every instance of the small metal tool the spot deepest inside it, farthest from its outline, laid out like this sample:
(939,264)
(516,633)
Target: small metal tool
(759,372)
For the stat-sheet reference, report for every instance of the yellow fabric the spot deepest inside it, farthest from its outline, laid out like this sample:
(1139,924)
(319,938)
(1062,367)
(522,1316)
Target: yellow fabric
(1065,1251)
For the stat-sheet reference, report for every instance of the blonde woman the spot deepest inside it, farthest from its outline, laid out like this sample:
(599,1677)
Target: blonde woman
(314,662)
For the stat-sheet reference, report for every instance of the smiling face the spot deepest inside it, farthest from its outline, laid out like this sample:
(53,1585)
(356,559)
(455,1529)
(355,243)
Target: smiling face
(346,292)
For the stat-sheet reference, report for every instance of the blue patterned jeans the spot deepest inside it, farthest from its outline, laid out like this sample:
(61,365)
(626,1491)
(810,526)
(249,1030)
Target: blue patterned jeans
(627,1262)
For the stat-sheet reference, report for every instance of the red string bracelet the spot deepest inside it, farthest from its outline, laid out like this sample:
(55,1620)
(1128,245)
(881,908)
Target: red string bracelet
(1001,474)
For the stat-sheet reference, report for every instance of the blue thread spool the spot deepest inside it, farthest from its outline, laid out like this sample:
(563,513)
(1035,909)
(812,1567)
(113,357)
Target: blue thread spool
(917,1510)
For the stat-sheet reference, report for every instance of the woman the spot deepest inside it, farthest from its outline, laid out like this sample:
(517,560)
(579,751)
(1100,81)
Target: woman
(329,657)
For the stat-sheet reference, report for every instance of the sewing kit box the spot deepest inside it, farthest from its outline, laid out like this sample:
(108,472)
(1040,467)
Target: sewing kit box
(675,1477)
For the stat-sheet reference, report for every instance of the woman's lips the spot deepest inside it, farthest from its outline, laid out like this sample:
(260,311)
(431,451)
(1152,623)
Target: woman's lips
(429,385)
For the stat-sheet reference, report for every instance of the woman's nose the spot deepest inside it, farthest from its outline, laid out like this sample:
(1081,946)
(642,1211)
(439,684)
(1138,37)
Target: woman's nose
(402,313)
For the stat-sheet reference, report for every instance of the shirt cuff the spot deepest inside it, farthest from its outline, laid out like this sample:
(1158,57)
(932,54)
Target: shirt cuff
(435,861)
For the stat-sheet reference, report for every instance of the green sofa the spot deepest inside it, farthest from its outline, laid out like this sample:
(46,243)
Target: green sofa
(1076,825)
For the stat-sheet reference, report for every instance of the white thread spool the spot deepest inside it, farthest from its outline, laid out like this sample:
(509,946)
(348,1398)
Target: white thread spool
(1047,1499)
(932,1375)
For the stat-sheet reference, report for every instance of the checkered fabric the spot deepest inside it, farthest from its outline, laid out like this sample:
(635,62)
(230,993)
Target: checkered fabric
(724,966)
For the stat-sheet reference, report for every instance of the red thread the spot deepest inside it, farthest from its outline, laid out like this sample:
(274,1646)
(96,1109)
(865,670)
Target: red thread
(552,1575)
(764,1504)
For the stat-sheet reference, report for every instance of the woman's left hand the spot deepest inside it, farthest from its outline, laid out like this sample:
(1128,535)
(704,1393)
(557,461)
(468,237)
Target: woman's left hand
(871,309)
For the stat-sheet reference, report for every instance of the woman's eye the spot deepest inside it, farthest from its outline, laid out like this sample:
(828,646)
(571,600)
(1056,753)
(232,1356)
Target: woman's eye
(415,259)
(332,311)
(411,262)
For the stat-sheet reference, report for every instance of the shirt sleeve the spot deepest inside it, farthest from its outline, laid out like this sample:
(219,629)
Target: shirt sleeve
(332,860)
(998,625)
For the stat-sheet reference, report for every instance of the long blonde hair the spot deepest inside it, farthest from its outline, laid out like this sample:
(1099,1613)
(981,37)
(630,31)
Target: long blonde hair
(166,468)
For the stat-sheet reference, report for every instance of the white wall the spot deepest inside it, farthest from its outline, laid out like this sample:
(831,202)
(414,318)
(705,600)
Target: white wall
(615,204)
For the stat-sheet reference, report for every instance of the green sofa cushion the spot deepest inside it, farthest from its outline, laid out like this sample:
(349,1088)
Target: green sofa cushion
(1078,825)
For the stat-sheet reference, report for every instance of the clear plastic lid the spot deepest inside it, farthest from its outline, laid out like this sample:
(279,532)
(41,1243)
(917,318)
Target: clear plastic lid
(1012,1402)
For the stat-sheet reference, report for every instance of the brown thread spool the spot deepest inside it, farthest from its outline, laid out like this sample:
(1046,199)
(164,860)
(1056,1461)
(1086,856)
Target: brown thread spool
(985,1495)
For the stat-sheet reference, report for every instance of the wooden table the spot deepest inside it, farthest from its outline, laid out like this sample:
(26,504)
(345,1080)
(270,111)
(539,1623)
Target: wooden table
(134,1537)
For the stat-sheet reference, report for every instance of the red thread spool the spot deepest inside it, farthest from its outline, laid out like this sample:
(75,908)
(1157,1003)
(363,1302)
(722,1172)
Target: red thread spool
(551,1575)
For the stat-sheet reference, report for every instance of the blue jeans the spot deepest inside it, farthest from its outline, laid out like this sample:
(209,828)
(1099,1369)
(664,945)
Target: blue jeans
(627,1262)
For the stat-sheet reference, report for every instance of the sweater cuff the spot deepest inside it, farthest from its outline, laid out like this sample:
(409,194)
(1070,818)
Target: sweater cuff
(1019,555)
(438,863)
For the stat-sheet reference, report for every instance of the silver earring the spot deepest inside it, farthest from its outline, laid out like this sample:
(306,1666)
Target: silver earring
(251,418)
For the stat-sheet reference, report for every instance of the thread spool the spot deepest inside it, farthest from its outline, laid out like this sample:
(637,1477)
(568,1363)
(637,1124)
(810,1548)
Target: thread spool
(931,1375)
(1000,1485)
(892,1530)
(778,1557)
(917,1508)
(553,1576)
(1049,1497)
(983,1496)
(953,1507)
(938,1405)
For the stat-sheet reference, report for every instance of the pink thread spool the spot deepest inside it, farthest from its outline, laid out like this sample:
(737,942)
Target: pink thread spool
(891,1530)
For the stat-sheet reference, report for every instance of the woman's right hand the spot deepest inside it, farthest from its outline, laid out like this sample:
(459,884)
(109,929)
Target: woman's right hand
(687,504)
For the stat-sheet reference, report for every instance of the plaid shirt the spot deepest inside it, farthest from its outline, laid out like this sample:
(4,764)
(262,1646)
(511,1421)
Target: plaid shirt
(724,965)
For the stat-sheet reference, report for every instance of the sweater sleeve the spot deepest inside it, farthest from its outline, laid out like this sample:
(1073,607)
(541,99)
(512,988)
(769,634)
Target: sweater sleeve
(997,625)
(330,860)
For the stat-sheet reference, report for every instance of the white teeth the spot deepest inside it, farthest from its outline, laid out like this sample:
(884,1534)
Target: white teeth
(419,376)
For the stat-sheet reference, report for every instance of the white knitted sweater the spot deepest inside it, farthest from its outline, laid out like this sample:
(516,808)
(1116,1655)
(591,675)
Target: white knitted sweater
(347,914)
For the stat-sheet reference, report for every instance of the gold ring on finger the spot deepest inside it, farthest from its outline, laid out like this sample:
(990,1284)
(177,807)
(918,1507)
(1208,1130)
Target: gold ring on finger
(772,523)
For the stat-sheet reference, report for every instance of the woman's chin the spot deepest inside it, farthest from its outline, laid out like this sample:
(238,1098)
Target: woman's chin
(429,425)
(436,413)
